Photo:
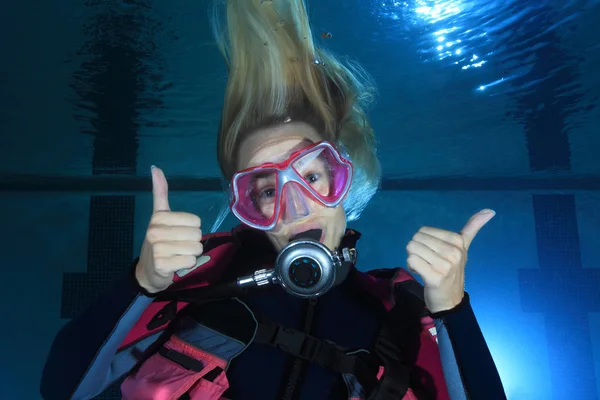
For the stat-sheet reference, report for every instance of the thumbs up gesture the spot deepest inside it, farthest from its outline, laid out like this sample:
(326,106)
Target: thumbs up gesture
(439,257)
(172,241)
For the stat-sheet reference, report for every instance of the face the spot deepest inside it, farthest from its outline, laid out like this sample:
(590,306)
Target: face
(275,144)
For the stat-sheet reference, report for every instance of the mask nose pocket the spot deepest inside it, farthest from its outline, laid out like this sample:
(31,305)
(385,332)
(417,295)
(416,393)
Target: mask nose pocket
(177,371)
(294,202)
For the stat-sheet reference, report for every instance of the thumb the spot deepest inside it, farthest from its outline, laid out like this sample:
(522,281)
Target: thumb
(474,225)
(160,190)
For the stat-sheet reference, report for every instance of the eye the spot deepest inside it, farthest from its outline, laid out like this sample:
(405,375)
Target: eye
(267,193)
(263,197)
(311,178)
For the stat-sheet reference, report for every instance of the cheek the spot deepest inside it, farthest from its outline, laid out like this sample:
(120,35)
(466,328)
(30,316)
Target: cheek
(336,214)
(340,218)
(336,228)
(279,241)
(335,220)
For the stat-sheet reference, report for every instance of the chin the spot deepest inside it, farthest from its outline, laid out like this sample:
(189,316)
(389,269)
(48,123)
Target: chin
(278,242)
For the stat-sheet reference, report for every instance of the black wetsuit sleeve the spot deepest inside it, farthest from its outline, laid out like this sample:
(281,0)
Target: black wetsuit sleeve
(473,363)
(80,362)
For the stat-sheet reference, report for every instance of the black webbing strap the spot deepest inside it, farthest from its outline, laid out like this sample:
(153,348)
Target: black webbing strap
(320,352)
(396,378)
(188,362)
(398,342)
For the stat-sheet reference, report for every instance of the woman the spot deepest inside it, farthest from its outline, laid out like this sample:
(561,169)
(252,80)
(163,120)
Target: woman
(299,152)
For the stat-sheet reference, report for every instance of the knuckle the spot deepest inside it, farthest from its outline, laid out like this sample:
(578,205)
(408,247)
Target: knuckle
(454,255)
(458,240)
(159,249)
(165,273)
(417,236)
(153,234)
(189,261)
(444,267)
(161,267)
(192,219)
(412,260)
(158,218)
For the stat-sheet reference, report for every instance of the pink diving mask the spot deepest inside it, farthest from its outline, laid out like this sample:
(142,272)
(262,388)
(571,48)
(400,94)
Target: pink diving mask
(264,194)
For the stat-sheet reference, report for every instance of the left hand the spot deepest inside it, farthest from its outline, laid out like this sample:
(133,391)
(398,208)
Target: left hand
(440,256)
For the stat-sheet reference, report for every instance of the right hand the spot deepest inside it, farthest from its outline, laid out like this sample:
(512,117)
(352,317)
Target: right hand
(172,241)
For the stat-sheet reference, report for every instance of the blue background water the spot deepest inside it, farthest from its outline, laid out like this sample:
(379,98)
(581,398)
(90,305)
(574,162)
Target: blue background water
(481,104)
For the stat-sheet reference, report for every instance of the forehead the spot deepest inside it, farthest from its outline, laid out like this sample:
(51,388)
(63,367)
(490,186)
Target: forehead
(275,144)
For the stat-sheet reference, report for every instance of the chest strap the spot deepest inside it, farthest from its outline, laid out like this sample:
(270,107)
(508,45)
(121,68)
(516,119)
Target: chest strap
(308,348)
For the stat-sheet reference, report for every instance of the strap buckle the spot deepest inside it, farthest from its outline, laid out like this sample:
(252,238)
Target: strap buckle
(289,340)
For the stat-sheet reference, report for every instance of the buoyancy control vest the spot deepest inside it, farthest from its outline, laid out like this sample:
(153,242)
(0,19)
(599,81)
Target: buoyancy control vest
(207,337)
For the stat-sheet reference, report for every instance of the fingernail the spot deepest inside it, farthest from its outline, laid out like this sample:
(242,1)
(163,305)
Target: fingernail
(152,167)
(487,211)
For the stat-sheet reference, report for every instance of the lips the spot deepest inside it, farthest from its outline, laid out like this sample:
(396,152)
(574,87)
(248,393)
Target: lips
(311,234)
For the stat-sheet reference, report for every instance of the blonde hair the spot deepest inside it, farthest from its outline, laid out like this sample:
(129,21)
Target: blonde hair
(277,73)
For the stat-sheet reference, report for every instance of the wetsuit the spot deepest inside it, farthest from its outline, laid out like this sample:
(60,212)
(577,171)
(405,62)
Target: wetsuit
(82,361)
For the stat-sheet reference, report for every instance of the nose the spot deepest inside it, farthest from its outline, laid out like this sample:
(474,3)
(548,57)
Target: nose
(295,204)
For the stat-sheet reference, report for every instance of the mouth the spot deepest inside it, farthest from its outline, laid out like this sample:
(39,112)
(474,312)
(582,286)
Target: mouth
(312,232)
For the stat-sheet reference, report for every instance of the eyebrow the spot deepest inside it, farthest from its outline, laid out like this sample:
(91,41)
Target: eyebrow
(299,146)
(263,175)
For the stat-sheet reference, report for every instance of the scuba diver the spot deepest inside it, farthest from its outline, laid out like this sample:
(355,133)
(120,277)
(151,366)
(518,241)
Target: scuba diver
(276,308)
